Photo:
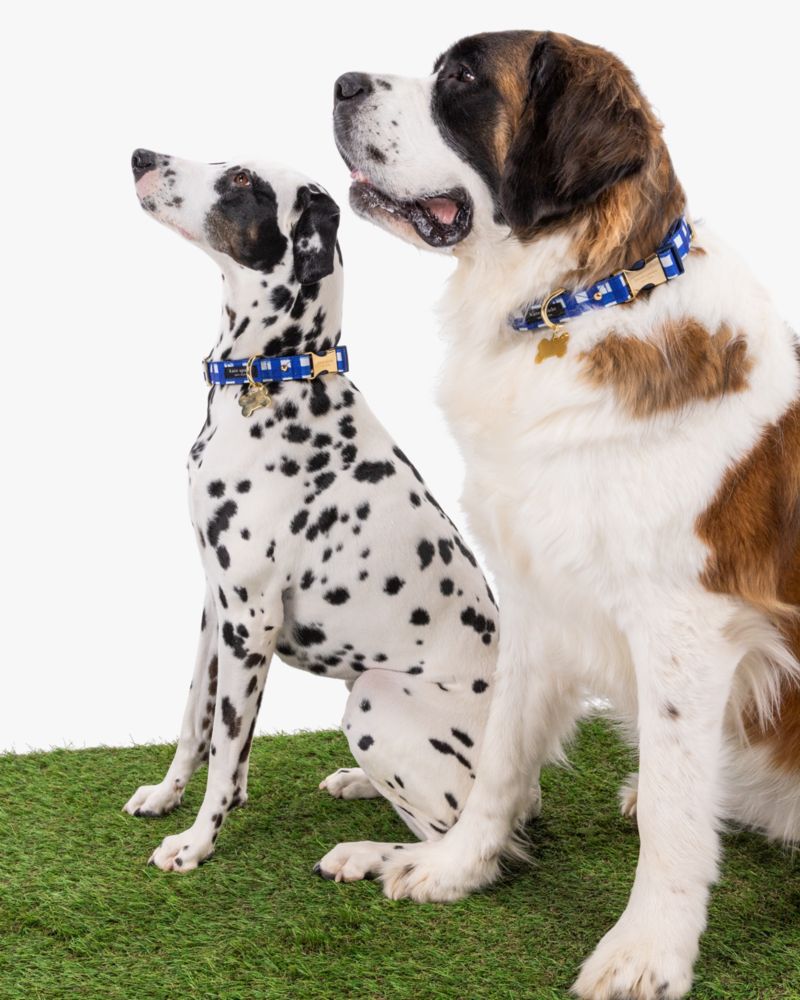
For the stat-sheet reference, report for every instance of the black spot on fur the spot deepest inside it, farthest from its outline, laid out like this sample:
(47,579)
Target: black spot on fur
(419,616)
(425,551)
(297,433)
(281,297)
(462,737)
(340,595)
(373,472)
(230,718)
(393,585)
(308,635)
(220,521)
(299,521)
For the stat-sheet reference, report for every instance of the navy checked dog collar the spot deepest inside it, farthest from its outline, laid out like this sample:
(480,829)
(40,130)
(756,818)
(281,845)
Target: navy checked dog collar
(281,369)
(617,289)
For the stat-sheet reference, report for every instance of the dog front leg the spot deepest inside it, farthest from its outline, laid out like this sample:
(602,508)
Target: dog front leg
(535,702)
(245,649)
(193,743)
(684,670)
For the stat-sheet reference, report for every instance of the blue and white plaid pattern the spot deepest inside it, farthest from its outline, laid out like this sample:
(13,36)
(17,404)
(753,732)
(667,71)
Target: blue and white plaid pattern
(611,291)
(282,369)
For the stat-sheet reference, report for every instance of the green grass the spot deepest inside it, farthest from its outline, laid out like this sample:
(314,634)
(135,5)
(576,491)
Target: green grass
(82,916)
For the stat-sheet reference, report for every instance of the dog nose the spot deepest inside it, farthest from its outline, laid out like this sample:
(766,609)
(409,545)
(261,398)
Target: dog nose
(352,87)
(142,161)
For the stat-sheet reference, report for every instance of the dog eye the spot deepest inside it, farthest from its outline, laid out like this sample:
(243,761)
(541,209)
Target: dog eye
(242,179)
(464,74)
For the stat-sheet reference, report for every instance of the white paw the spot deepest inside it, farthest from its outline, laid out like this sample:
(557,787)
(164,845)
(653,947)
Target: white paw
(361,859)
(633,963)
(182,852)
(349,783)
(436,871)
(628,796)
(534,810)
(155,800)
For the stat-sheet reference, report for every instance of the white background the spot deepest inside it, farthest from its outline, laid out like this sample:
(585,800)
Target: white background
(102,586)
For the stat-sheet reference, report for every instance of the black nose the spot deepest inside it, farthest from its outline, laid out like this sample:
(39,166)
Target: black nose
(352,87)
(142,161)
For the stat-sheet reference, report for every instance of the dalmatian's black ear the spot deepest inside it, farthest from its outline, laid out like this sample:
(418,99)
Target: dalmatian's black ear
(314,235)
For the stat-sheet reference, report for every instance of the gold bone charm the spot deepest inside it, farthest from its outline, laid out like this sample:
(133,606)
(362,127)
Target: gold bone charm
(555,346)
(255,396)
(552,347)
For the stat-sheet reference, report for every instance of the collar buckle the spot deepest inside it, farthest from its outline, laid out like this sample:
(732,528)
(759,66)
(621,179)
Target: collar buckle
(651,273)
(322,363)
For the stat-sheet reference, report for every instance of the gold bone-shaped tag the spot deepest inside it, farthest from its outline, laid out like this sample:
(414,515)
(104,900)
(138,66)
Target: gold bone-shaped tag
(552,347)
(254,398)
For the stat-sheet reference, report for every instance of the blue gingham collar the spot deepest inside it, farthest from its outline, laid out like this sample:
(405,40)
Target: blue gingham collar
(621,287)
(285,368)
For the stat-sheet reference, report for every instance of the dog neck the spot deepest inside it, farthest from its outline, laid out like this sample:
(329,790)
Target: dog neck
(273,315)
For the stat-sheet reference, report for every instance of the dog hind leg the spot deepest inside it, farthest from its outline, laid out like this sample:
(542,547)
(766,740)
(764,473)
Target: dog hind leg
(416,741)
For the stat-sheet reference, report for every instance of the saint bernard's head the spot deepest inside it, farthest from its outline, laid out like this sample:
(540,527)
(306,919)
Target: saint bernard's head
(514,134)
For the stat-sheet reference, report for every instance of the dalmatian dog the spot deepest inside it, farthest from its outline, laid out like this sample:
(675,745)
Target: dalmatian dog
(319,539)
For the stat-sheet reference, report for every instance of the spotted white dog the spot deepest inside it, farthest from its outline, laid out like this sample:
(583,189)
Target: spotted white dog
(319,539)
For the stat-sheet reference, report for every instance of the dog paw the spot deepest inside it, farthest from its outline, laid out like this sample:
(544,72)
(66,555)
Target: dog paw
(635,965)
(534,810)
(349,783)
(628,796)
(436,872)
(352,862)
(182,852)
(155,800)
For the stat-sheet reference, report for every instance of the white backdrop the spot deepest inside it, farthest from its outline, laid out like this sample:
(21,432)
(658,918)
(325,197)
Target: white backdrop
(102,585)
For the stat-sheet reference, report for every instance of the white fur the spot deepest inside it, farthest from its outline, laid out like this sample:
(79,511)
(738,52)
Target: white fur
(586,516)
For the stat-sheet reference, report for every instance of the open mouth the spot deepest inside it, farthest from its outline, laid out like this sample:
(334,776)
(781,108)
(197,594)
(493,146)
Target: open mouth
(441,219)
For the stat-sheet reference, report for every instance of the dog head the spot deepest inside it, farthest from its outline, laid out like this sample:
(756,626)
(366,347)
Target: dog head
(261,217)
(515,133)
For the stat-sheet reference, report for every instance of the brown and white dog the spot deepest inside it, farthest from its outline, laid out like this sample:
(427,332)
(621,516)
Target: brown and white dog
(638,498)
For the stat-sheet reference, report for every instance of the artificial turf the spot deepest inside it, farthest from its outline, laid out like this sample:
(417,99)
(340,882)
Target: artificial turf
(82,916)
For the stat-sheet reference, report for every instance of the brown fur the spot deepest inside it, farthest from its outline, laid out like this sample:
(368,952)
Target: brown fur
(506,64)
(684,364)
(752,530)
(629,219)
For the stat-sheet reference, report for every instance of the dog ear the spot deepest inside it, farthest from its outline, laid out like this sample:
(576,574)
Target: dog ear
(583,128)
(314,235)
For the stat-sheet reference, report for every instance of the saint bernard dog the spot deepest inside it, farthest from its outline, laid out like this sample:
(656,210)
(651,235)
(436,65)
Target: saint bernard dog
(633,466)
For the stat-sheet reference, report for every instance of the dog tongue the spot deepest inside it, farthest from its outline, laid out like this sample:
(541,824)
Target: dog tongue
(443,209)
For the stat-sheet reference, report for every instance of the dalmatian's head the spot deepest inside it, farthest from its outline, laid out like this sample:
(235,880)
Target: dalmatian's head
(261,217)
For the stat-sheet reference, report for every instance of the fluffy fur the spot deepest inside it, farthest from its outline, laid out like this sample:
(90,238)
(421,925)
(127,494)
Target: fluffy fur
(637,499)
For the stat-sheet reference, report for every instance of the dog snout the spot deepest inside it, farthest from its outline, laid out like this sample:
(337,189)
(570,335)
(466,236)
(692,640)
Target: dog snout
(143,161)
(353,88)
